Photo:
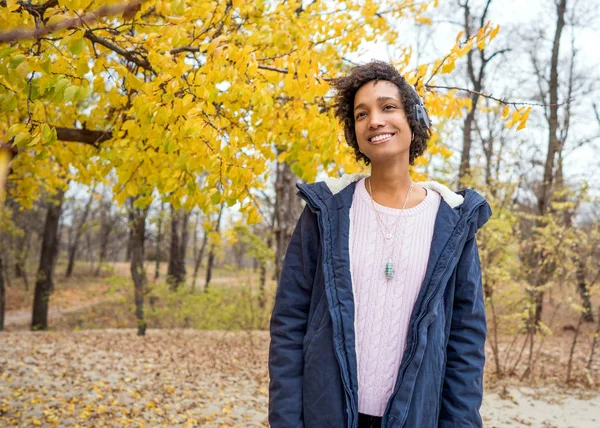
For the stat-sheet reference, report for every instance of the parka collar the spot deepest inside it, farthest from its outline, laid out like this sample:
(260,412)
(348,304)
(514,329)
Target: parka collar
(453,199)
(338,192)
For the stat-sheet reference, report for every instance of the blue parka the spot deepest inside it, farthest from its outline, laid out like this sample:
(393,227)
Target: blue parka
(312,356)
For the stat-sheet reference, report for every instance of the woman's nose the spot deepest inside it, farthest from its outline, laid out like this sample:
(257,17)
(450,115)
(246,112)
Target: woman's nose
(376,121)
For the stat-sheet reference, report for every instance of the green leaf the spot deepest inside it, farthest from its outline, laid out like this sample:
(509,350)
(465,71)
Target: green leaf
(22,138)
(46,65)
(70,92)
(77,46)
(216,198)
(6,51)
(60,86)
(16,60)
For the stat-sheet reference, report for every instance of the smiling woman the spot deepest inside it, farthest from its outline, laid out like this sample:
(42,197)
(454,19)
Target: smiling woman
(379,317)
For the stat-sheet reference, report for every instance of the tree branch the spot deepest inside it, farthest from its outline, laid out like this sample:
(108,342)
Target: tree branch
(130,56)
(86,136)
(500,100)
(88,18)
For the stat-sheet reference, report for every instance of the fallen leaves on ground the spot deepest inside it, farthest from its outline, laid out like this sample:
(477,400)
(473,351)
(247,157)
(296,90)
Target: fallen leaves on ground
(112,377)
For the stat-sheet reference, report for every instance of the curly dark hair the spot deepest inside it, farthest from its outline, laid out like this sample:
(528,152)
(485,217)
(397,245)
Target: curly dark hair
(347,86)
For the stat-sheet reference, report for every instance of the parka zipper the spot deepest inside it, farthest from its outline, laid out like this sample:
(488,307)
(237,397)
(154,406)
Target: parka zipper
(345,380)
(411,356)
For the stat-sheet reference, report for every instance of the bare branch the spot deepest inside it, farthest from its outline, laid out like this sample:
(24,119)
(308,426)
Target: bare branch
(500,100)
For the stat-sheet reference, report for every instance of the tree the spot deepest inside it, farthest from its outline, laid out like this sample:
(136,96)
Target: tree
(78,230)
(179,237)
(477,62)
(137,223)
(161,93)
(44,283)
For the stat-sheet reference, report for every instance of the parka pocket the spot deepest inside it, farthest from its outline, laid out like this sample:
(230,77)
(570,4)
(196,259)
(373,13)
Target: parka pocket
(315,321)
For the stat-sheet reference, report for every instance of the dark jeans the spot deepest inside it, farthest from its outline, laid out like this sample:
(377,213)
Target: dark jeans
(368,421)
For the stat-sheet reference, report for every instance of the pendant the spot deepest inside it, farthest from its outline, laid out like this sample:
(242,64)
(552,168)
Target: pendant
(389,270)
(388,236)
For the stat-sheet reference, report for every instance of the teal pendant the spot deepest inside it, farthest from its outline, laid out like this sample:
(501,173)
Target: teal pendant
(389,270)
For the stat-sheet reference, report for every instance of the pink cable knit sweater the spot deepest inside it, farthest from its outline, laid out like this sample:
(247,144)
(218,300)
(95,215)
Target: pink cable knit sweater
(383,307)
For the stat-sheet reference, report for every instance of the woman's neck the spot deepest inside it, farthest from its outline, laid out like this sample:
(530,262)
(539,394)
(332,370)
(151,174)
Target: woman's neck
(390,187)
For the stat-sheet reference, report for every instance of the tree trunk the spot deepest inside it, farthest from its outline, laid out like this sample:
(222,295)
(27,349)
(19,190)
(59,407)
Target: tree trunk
(287,211)
(22,251)
(476,80)
(158,237)
(137,224)
(183,243)
(582,288)
(106,229)
(129,246)
(211,253)
(198,261)
(2,295)
(176,272)
(262,300)
(540,277)
(75,244)
(44,278)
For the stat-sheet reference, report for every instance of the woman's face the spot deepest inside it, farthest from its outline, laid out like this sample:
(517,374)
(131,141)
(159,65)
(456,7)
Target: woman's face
(381,127)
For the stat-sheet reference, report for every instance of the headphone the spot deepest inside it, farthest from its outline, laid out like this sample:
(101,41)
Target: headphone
(420,112)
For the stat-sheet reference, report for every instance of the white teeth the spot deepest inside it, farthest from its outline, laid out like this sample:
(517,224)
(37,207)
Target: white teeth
(381,137)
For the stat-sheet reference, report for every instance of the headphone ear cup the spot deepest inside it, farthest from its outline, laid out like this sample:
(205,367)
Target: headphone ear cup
(421,116)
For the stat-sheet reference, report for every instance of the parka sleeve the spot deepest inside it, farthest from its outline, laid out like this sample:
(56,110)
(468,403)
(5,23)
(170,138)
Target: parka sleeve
(465,353)
(288,324)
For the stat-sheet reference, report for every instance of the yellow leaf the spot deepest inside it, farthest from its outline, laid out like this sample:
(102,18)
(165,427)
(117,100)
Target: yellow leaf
(175,19)
(459,35)
(505,112)
(494,32)
(448,66)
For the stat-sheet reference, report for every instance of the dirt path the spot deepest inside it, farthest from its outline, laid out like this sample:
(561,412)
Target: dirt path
(21,317)
(188,378)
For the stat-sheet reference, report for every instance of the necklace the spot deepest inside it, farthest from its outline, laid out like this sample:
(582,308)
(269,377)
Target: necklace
(389,266)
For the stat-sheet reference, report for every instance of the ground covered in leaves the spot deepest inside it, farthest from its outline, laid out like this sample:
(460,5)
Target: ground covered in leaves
(190,377)
(113,377)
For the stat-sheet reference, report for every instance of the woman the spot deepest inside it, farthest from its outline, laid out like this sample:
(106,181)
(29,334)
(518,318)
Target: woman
(379,317)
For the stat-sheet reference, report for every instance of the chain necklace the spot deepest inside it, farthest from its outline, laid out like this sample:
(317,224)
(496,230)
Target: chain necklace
(389,266)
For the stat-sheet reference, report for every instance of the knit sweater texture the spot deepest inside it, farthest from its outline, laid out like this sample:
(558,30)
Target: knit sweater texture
(383,306)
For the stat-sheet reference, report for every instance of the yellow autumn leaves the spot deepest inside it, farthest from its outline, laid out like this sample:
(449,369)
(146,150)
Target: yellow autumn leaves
(198,96)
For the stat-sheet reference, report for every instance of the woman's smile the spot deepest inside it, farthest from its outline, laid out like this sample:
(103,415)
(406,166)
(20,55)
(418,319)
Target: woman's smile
(381,138)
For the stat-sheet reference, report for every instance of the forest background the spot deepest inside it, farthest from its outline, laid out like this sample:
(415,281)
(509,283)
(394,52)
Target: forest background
(149,153)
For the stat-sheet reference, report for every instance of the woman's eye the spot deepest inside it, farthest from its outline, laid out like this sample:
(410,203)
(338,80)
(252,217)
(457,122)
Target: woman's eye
(359,115)
(389,105)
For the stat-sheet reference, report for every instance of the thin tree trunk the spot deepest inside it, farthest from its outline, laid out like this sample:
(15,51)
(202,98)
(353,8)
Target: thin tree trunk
(262,299)
(570,363)
(104,239)
(198,261)
(211,253)
(137,224)
(176,271)
(2,295)
(287,211)
(129,246)
(588,315)
(75,244)
(553,147)
(158,237)
(594,343)
(44,278)
(183,244)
